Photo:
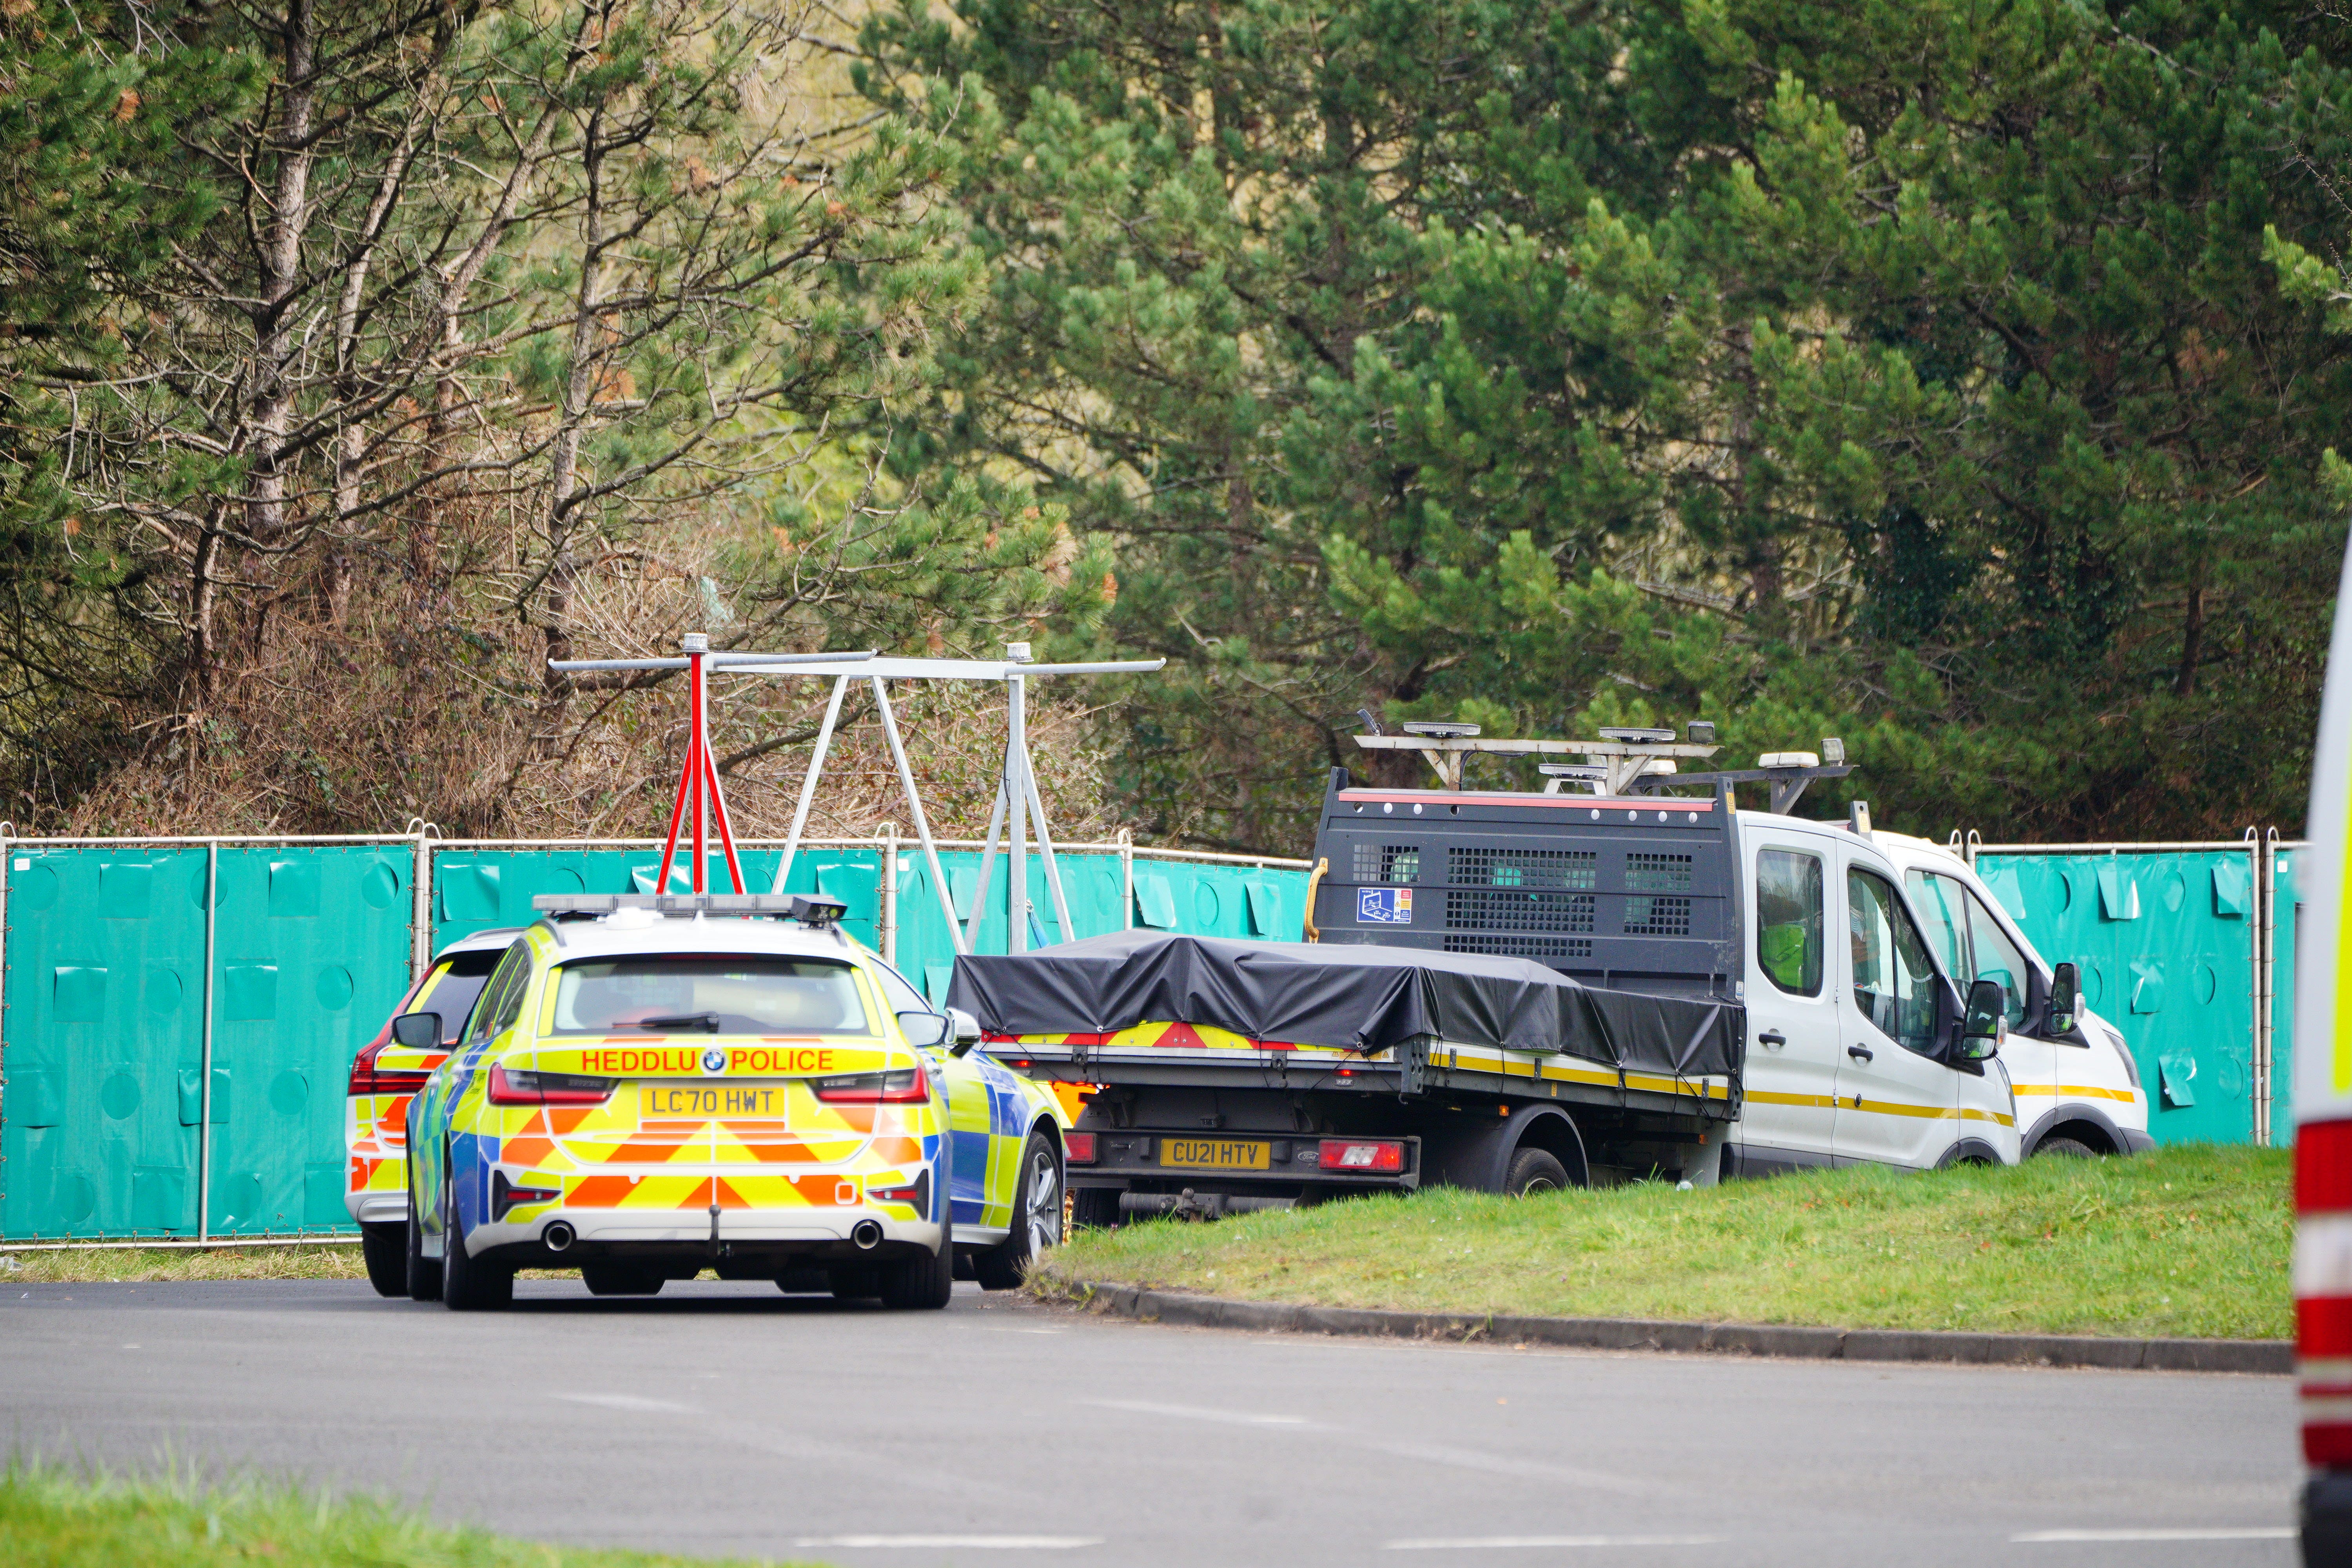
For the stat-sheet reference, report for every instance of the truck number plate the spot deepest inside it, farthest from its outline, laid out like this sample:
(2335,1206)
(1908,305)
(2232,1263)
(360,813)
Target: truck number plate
(1215,1154)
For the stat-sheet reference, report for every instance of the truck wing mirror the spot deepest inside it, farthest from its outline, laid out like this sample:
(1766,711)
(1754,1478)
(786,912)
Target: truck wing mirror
(1985,1024)
(2065,998)
(417,1031)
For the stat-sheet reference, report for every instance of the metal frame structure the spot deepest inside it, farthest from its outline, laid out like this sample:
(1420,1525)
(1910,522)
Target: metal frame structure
(1017,798)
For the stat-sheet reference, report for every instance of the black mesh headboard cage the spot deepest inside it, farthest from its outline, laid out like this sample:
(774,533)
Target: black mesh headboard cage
(1637,894)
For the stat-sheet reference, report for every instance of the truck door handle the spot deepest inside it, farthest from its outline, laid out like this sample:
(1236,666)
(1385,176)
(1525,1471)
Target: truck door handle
(1772,1037)
(1861,1053)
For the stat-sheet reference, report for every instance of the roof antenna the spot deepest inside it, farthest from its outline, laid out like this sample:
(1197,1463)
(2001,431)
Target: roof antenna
(1370,724)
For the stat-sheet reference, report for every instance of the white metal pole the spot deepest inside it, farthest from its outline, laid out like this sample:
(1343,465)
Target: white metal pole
(808,784)
(1046,849)
(1016,746)
(987,868)
(2265,913)
(922,822)
(7,834)
(205,1060)
(1127,879)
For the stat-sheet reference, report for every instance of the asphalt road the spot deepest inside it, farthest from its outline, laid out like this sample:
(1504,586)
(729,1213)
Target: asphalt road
(728,1419)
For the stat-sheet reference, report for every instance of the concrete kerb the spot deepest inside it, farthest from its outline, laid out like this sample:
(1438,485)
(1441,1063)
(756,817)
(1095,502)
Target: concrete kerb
(2269,1357)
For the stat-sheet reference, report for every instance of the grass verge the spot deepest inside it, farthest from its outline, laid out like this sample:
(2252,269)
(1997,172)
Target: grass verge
(53,1517)
(96,1265)
(2191,1241)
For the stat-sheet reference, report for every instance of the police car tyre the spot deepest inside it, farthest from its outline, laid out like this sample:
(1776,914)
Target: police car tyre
(924,1281)
(1036,1218)
(608,1280)
(1534,1170)
(468,1284)
(1094,1208)
(2070,1148)
(384,1249)
(423,1273)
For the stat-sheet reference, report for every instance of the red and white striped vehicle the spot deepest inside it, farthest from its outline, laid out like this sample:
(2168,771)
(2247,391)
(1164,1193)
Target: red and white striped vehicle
(2323,1114)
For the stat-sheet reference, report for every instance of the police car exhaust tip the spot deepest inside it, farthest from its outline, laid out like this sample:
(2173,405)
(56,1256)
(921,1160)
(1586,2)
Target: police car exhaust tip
(868,1234)
(558,1236)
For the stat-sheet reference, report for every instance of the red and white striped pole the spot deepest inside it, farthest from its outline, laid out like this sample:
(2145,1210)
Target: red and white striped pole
(699,775)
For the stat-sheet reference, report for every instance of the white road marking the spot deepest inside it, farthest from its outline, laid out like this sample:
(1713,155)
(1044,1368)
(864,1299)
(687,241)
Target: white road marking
(2249,1532)
(1508,1542)
(967,1543)
(1192,1413)
(630,1402)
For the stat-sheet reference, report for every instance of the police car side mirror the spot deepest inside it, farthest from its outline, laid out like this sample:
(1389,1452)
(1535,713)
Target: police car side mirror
(1986,1023)
(967,1029)
(923,1030)
(417,1031)
(2065,999)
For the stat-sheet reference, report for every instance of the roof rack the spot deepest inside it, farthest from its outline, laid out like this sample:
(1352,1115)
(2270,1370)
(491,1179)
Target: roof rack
(1626,761)
(810,909)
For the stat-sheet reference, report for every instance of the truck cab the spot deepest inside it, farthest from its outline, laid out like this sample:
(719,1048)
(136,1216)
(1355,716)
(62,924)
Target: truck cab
(2078,1090)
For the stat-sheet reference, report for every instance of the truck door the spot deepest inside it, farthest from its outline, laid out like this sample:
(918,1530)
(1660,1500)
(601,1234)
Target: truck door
(1971,945)
(1897,1105)
(1789,1113)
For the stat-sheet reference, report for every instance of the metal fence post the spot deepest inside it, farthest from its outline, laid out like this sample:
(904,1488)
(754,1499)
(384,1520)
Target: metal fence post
(1125,878)
(2266,914)
(204,1096)
(890,893)
(2258,1053)
(420,919)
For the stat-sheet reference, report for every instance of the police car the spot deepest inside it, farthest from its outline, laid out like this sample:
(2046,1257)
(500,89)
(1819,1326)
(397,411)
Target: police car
(651,1086)
(385,1076)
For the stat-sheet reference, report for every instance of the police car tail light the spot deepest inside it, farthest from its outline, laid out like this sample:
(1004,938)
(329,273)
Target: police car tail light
(1079,1148)
(1361,1154)
(367,1079)
(515,1086)
(902,1086)
(2323,1289)
(505,1195)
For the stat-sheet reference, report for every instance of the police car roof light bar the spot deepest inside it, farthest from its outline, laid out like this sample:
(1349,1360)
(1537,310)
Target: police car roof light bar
(811,910)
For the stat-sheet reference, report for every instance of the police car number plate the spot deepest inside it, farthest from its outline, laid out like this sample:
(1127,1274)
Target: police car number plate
(711,1101)
(1215,1154)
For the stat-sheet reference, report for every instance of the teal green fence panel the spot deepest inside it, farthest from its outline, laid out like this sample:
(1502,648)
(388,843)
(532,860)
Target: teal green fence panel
(2166,944)
(310,955)
(104,1042)
(476,888)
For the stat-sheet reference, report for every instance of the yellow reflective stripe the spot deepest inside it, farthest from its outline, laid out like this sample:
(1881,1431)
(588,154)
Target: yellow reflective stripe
(2092,1091)
(1767,1097)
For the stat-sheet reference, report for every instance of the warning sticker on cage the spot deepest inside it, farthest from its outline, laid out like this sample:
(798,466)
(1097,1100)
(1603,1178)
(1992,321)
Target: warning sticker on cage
(1384,906)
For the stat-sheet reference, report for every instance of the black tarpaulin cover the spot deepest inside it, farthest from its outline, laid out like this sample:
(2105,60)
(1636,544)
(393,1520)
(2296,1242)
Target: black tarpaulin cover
(1359,996)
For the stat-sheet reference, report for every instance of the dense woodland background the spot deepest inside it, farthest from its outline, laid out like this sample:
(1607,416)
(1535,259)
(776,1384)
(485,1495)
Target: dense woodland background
(1963,379)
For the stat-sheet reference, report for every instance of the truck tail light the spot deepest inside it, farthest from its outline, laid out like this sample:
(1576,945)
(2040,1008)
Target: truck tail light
(905,1086)
(1365,1155)
(2323,1289)
(515,1086)
(367,1079)
(1079,1148)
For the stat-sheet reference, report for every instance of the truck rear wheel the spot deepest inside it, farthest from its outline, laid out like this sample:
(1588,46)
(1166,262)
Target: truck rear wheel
(611,1280)
(1534,1170)
(1094,1208)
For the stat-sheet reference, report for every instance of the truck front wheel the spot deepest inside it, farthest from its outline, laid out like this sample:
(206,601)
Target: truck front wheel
(1534,1170)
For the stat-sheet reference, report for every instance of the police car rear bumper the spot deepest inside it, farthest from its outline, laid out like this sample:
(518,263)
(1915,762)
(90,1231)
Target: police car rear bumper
(816,1232)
